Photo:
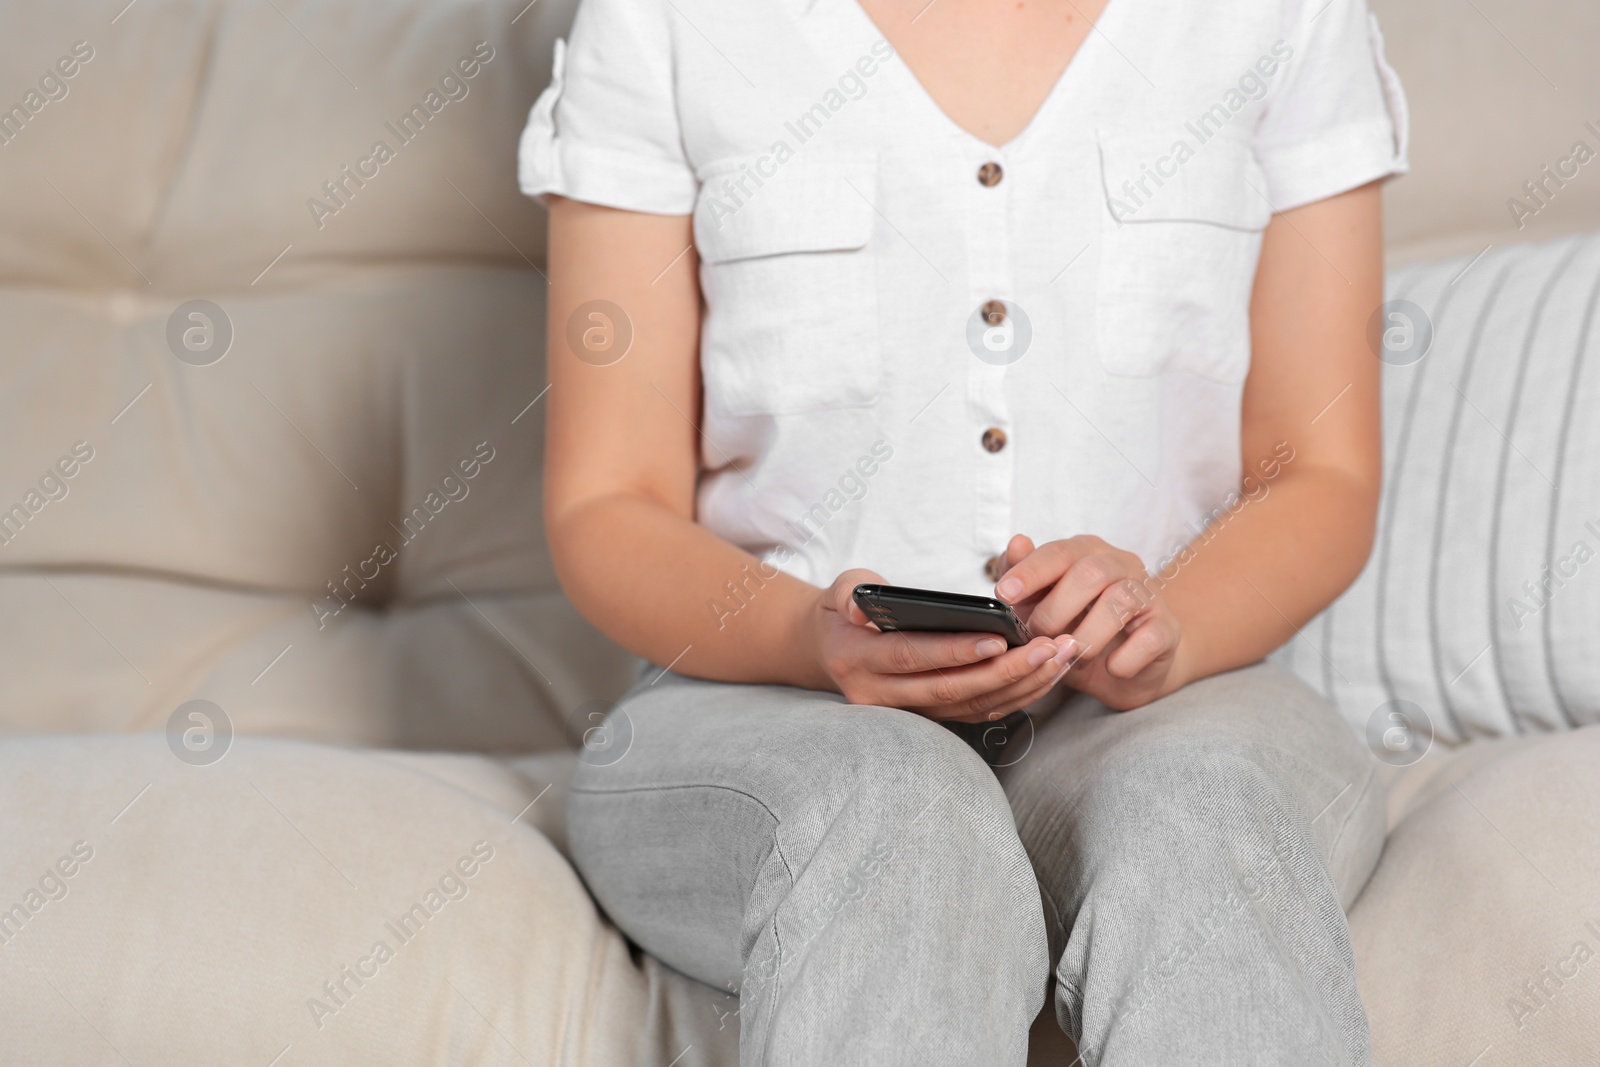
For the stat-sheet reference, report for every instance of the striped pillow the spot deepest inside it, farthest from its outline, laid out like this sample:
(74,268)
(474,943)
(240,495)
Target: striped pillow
(1479,611)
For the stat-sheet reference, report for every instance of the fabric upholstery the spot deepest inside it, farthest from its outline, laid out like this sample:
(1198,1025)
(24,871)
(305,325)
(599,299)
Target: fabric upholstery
(192,555)
(1479,934)
(232,913)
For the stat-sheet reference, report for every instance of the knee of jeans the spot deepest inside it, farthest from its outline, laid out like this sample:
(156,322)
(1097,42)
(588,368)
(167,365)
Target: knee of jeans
(1265,808)
(902,756)
(912,785)
(1193,792)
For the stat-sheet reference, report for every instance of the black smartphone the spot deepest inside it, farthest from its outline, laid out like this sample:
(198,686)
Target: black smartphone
(895,607)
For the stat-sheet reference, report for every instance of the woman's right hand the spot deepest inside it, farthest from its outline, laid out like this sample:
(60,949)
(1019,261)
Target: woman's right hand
(965,677)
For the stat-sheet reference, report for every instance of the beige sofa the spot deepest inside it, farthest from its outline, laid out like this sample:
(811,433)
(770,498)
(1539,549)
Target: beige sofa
(312,503)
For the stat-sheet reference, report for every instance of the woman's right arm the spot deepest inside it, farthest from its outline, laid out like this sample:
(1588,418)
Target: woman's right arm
(620,473)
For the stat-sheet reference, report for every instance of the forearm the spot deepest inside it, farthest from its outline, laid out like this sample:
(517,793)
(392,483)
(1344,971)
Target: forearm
(1246,586)
(666,588)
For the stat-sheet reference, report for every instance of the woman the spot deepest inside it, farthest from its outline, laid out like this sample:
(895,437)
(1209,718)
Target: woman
(853,292)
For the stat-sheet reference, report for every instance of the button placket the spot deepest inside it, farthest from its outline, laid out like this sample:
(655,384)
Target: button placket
(988,413)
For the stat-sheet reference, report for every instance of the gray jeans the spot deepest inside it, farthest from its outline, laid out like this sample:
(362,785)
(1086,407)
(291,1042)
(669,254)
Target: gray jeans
(878,892)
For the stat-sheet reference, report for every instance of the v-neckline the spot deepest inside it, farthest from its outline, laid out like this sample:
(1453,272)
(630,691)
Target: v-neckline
(919,89)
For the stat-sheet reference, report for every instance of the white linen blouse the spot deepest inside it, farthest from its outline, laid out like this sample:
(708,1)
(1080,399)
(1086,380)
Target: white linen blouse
(916,344)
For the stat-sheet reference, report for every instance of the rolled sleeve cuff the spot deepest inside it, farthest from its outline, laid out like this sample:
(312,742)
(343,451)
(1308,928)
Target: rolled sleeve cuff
(600,176)
(548,163)
(1339,160)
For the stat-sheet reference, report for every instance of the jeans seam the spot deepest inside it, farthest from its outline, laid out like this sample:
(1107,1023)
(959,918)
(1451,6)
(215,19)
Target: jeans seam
(777,939)
(777,977)
(686,785)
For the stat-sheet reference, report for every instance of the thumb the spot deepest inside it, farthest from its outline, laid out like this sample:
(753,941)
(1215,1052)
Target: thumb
(841,594)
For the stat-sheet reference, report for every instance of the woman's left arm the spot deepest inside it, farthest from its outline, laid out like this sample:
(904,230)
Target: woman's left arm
(1305,532)
(1314,385)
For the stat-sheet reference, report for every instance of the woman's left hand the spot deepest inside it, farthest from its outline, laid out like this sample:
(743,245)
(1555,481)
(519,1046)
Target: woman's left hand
(1083,590)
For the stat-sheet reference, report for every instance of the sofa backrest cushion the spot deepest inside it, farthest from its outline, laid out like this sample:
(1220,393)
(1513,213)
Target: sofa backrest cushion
(313,498)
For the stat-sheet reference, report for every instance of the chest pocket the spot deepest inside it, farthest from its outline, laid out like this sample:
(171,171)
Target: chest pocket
(790,283)
(1179,243)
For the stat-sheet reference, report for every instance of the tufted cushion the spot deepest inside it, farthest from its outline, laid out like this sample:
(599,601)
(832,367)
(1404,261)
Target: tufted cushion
(182,157)
(220,533)
(1492,460)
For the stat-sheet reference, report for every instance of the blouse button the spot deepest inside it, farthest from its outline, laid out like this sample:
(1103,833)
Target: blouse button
(994,567)
(990,174)
(994,312)
(994,439)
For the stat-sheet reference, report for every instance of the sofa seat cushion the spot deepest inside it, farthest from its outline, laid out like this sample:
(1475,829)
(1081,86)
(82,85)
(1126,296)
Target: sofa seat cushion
(1478,938)
(314,904)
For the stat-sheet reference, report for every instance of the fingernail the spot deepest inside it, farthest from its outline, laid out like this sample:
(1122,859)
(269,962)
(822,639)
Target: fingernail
(1009,589)
(1066,651)
(1038,657)
(991,646)
(993,715)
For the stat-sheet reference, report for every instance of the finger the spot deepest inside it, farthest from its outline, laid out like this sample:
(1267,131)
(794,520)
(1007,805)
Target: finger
(1012,705)
(1012,701)
(1050,664)
(843,593)
(1019,548)
(1118,607)
(952,688)
(1039,569)
(1026,691)
(899,652)
(1150,640)
(1083,584)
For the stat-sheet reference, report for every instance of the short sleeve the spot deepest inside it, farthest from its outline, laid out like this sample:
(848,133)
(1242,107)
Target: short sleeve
(606,129)
(1338,118)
